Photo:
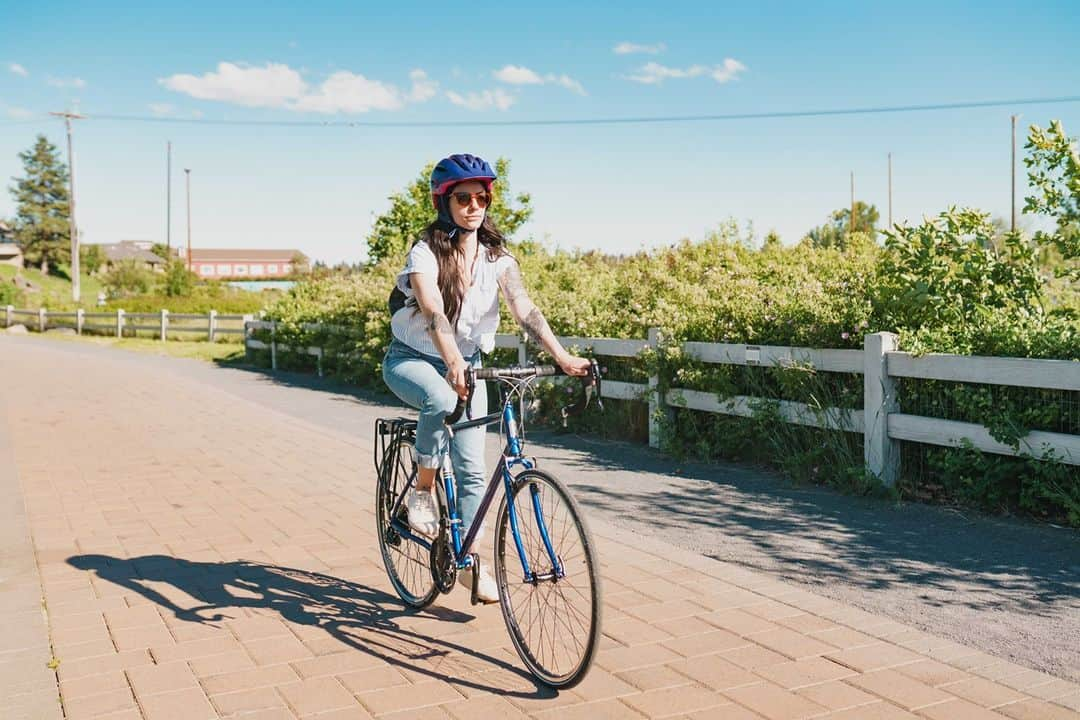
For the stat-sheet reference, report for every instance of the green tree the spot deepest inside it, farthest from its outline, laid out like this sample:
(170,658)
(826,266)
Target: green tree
(91,258)
(42,206)
(301,265)
(128,277)
(835,233)
(178,281)
(411,211)
(947,272)
(1054,171)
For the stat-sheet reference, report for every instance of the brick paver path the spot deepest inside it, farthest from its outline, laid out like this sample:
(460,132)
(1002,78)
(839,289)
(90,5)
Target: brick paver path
(202,557)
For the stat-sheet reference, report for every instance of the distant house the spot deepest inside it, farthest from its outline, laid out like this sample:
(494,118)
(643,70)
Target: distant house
(10,253)
(137,250)
(211,263)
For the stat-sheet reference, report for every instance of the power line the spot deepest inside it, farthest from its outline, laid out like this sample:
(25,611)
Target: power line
(640,120)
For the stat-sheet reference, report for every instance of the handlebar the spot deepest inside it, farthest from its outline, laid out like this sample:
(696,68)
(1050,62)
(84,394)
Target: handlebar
(590,384)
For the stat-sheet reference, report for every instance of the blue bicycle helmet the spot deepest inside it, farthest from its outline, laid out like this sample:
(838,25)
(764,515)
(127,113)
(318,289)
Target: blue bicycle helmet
(449,172)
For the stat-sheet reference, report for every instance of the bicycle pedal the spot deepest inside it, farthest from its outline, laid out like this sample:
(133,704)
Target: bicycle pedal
(475,577)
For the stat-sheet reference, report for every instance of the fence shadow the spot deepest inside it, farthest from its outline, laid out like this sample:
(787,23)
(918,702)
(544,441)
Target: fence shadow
(359,617)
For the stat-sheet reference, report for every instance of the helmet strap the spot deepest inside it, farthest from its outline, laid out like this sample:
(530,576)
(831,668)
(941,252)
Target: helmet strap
(445,221)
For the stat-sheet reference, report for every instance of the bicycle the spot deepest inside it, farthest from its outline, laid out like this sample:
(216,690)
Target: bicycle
(550,600)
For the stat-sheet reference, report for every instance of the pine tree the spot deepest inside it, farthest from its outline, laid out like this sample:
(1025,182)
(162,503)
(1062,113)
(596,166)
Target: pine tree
(42,206)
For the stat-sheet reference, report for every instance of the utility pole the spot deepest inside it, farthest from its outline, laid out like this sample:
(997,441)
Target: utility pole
(1014,173)
(851,220)
(168,199)
(73,227)
(890,191)
(187,181)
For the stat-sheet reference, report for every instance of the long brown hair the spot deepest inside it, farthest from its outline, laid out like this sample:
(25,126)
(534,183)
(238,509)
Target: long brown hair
(447,250)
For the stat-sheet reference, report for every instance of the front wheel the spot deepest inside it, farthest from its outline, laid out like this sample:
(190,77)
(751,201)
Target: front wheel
(553,614)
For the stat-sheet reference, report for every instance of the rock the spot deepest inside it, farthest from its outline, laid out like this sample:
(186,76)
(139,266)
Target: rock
(17,330)
(61,331)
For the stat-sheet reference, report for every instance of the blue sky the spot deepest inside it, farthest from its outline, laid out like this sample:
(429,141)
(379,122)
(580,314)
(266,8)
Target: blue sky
(613,187)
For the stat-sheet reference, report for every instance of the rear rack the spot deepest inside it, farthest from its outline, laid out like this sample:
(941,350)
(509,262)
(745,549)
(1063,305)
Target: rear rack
(388,433)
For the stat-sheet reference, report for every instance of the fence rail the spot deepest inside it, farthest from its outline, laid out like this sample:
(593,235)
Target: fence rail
(120,321)
(880,422)
(879,362)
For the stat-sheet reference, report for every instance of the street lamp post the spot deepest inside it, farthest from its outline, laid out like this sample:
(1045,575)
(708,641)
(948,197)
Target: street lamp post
(187,183)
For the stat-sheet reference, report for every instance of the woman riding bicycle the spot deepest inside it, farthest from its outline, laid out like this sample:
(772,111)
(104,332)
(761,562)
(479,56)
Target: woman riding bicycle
(451,283)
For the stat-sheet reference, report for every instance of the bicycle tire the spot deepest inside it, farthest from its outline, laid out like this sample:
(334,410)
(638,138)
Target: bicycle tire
(407,563)
(570,605)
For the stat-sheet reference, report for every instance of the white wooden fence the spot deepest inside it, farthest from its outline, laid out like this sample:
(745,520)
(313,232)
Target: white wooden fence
(879,362)
(161,323)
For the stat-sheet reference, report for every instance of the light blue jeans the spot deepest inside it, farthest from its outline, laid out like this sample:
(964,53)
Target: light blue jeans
(420,381)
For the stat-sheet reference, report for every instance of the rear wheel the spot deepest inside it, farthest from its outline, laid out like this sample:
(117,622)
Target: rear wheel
(553,619)
(407,562)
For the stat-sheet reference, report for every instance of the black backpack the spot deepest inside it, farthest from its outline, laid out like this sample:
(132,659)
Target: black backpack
(398,300)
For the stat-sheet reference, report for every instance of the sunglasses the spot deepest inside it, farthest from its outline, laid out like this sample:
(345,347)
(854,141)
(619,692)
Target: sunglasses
(464,199)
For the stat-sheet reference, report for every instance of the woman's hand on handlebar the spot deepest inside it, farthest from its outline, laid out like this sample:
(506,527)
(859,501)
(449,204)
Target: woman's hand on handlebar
(455,375)
(575,366)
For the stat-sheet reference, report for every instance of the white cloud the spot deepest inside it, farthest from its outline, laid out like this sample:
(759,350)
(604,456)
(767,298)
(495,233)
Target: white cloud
(423,87)
(728,71)
(629,48)
(498,99)
(17,69)
(654,73)
(18,113)
(518,75)
(77,83)
(351,93)
(270,86)
(567,82)
(278,85)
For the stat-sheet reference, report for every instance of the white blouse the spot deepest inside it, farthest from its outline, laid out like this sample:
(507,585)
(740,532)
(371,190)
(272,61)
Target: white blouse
(479,318)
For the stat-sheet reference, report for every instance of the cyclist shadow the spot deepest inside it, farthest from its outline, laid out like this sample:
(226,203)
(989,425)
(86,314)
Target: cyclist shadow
(356,615)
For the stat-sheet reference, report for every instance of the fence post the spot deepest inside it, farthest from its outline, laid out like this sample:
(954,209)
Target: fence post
(211,330)
(79,319)
(9,316)
(164,323)
(248,352)
(273,344)
(657,404)
(119,323)
(41,319)
(880,452)
(319,361)
(523,351)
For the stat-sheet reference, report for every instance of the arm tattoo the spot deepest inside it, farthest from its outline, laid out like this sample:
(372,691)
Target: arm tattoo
(513,285)
(437,323)
(536,326)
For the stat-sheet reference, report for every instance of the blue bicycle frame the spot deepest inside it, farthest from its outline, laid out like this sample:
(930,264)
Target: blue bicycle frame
(511,457)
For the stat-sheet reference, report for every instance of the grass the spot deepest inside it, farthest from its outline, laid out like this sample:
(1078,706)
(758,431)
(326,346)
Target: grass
(54,292)
(220,352)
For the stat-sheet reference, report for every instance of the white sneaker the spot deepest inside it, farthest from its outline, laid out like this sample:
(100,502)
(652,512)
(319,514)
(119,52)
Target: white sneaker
(487,591)
(423,514)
